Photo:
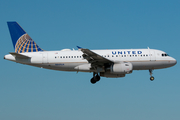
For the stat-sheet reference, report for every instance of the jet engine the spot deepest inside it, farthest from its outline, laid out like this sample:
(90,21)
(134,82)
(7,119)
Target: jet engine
(121,68)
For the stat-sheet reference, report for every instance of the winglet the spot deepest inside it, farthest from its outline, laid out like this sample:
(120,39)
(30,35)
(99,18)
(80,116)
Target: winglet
(79,47)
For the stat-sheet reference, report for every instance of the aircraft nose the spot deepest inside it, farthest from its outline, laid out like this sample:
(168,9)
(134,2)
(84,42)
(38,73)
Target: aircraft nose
(173,62)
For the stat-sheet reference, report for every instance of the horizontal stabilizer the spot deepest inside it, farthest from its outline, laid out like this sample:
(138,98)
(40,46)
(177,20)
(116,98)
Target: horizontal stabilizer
(19,55)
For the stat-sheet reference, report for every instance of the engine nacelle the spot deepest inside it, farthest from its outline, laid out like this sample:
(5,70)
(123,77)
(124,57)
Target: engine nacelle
(84,67)
(121,68)
(111,75)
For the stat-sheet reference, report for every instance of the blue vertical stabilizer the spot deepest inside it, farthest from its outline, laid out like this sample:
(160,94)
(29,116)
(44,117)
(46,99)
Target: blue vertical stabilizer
(22,42)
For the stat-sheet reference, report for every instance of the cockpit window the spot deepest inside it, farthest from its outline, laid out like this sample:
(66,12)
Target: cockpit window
(164,55)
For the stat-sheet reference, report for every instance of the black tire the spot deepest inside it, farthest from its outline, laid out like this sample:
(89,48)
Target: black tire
(151,78)
(97,78)
(93,81)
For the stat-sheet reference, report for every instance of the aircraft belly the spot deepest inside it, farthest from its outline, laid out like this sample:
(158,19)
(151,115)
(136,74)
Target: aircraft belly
(145,65)
(137,65)
(64,66)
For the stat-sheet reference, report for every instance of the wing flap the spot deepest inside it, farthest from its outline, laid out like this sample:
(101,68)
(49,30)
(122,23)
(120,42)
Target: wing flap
(94,58)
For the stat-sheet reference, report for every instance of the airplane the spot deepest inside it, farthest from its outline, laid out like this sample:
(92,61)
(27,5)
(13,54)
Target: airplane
(112,63)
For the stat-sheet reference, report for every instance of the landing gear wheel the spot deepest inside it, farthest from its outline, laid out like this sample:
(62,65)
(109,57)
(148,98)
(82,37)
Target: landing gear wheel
(151,78)
(93,81)
(95,78)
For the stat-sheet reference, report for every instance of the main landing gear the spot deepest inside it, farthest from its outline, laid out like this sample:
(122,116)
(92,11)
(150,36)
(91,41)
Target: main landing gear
(95,78)
(151,78)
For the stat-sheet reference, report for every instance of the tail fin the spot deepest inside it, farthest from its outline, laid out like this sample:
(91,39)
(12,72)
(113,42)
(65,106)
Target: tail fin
(22,42)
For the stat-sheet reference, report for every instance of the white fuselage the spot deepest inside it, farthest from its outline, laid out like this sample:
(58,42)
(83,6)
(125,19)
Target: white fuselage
(68,60)
(106,63)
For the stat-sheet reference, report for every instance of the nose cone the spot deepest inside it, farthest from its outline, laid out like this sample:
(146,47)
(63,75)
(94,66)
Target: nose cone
(173,62)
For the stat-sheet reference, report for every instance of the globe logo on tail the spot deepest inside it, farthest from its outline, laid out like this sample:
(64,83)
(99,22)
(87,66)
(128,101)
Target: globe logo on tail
(26,44)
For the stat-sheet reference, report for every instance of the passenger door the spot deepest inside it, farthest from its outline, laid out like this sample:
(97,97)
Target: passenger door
(152,55)
(45,57)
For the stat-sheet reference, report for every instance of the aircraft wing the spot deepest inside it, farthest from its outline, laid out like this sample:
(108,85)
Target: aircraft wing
(94,58)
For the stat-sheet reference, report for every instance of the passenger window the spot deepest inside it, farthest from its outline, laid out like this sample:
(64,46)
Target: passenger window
(116,55)
(74,56)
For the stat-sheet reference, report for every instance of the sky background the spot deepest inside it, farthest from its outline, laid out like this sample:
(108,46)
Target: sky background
(30,93)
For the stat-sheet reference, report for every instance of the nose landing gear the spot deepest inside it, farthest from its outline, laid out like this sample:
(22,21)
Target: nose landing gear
(95,78)
(151,78)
